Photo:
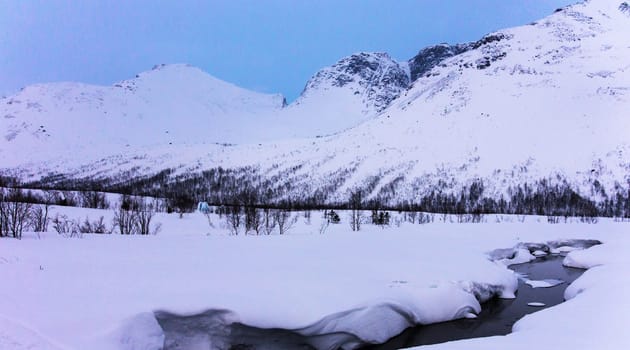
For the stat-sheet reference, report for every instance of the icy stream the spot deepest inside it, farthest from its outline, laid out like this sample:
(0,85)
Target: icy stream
(498,315)
(541,284)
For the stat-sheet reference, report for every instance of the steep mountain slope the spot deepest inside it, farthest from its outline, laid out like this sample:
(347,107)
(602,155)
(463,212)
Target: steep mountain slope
(544,102)
(339,97)
(431,56)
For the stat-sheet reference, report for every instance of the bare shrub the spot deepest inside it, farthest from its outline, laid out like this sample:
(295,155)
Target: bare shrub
(66,227)
(97,226)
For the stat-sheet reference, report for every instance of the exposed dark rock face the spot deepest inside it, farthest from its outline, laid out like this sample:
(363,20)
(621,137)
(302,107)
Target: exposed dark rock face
(375,76)
(378,79)
(490,38)
(431,56)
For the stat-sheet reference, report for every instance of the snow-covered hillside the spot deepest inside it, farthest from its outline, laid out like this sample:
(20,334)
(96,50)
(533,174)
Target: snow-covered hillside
(180,104)
(169,104)
(348,92)
(546,100)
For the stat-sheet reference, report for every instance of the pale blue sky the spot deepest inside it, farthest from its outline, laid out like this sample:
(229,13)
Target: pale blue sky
(264,45)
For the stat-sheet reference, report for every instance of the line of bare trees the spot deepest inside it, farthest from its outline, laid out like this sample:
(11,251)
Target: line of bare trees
(257,221)
(135,216)
(18,213)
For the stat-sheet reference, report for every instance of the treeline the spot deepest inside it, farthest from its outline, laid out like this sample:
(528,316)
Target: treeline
(291,189)
(22,210)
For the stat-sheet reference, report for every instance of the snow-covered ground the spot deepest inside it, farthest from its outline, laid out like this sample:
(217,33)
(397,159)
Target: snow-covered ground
(99,292)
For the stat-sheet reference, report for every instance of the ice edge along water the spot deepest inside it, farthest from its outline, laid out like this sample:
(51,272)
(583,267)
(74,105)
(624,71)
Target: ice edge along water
(372,323)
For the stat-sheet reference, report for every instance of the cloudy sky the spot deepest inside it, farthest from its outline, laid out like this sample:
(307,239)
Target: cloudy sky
(264,45)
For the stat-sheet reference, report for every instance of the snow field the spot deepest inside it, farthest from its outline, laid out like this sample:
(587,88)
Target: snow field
(99,292)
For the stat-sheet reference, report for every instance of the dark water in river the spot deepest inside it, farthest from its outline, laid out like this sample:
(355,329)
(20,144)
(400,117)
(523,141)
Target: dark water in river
(213,330)
(498,315)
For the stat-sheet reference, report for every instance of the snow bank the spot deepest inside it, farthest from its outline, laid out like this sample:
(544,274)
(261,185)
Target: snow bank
(595,315)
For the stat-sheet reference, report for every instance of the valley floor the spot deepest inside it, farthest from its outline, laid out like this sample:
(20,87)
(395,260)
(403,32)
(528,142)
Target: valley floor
(100,291)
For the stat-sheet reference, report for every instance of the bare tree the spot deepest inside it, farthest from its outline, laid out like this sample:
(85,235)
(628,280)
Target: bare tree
(234,218)
(145,210)
(307,217)
(356,214)
(256,221)
(269,221)
(93,199)
(39,216)
(285,220)
(325,223)
(124,216)
(14,213)
(411,216)
(134,216)
(3,215)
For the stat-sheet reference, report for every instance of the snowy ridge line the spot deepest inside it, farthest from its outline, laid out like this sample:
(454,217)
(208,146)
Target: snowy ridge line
(563,79)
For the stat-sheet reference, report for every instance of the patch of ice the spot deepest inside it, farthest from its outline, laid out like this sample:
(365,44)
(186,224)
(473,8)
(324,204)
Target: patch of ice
(536,304)
(546,283)
(563,249)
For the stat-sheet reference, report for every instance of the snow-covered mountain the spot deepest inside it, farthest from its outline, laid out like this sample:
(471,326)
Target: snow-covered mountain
(180,104)
(363,82)
(548,100)
(169,104)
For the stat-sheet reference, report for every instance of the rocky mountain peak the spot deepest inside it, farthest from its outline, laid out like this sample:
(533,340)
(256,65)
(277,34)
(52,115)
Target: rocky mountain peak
(374,77)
